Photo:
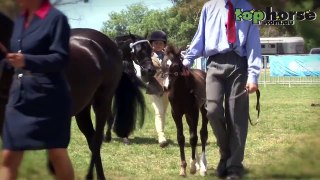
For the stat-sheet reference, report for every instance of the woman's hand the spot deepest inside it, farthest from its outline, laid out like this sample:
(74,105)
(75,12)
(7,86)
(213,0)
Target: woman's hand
(16,60)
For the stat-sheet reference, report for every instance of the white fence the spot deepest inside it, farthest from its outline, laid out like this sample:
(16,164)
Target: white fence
(266,79)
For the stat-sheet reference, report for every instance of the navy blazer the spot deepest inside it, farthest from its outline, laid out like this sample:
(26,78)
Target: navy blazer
(45,46)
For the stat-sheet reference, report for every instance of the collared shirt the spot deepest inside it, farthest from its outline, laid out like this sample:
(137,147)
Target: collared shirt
(211,36)
(42,12)
(159,55)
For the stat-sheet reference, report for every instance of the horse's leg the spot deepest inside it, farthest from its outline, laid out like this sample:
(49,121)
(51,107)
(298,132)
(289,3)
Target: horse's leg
(177,117)
(192,121)
(102,108)
(204,138)
(85,125)
(108,136)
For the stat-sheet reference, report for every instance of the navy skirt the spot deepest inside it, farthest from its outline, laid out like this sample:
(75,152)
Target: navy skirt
(38,114)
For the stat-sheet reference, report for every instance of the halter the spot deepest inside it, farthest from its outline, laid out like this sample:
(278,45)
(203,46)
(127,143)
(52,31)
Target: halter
(132,45)
(138,42)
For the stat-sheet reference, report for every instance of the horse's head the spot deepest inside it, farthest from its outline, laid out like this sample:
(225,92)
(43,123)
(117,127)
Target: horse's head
(172,66)
(137,49)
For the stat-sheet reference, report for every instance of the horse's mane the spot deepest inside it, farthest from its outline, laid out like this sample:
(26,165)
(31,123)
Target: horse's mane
(123,38)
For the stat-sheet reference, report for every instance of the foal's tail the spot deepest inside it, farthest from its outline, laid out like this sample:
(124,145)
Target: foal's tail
(128,104)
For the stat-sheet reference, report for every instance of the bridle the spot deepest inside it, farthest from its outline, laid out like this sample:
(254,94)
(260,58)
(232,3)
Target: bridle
(132,46)
(176,74)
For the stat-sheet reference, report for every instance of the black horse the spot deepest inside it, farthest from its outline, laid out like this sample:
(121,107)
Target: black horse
(96,76)
(130,47)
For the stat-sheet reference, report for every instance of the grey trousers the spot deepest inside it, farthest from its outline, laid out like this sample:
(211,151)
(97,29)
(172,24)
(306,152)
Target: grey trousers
(228,116)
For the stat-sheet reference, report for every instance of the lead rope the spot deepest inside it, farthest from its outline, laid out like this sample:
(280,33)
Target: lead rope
(257,105)
(257,108)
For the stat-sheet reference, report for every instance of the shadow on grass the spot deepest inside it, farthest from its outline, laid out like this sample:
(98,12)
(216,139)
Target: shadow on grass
(187,144)
(150,141)
(141,140)
(251,174)
(282,176)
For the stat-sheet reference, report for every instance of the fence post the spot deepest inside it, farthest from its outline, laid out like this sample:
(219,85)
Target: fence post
(265,70)
(289,81)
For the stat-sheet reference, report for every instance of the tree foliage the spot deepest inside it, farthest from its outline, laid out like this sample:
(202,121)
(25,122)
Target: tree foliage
(180,22)
(310,30)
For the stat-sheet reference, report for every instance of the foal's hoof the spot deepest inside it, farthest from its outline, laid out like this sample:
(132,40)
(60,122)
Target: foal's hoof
(203,173)
(183,172)
(193,166)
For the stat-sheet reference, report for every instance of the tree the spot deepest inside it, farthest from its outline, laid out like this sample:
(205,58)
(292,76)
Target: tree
(179,22)
(310,30)
(125,21)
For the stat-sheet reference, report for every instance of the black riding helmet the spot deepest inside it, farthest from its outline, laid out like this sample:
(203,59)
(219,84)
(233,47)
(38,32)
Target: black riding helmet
(158,36)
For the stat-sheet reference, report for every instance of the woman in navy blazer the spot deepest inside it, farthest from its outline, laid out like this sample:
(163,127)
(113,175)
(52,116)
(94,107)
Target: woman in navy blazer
(38,111)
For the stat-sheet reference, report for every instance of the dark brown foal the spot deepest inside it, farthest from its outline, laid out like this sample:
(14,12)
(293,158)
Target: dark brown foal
(186,92)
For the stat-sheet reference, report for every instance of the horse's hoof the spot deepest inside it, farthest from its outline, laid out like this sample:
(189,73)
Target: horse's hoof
(107,139)
(126,141)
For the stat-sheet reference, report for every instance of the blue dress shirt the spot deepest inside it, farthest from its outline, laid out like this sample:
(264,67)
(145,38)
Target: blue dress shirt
(211,36)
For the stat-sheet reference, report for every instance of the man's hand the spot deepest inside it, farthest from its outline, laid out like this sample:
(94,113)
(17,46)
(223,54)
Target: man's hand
(16,60)
(251,87)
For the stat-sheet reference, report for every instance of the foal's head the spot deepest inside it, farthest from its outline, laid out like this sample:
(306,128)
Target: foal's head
(172,66)
(137,49)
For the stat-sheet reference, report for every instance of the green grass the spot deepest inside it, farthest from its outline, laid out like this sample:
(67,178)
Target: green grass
(285,144)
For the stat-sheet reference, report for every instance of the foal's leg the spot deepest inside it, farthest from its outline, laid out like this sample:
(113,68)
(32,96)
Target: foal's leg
(192,120)
(85,125)
(177,117)
(204,138)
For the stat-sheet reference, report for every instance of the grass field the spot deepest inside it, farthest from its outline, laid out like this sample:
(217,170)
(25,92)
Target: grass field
(285,144)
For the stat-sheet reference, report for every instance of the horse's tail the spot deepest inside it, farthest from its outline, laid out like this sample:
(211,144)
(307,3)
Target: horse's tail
(128,104)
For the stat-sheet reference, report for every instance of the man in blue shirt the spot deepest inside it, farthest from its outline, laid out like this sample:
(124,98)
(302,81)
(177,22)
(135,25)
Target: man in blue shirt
(234,61)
